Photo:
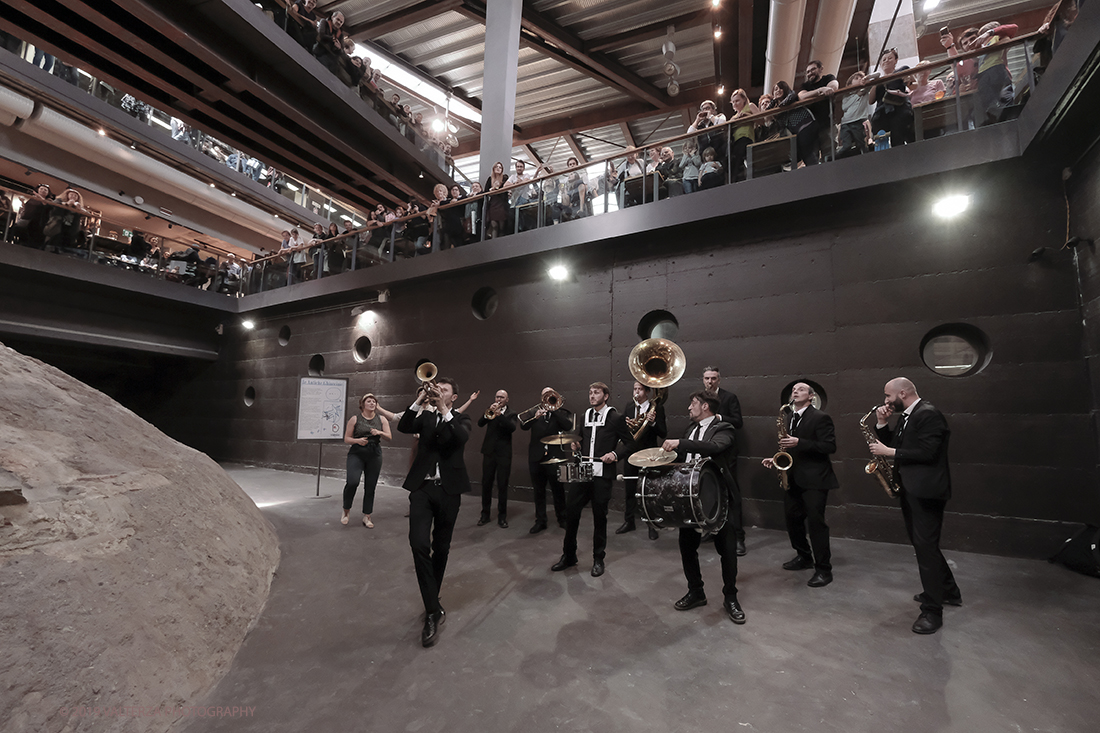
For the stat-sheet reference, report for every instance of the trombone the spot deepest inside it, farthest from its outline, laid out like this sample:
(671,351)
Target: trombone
(549,402)
(656,363)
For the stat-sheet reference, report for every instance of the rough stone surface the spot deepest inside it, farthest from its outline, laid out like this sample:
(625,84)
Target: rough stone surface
(130,577)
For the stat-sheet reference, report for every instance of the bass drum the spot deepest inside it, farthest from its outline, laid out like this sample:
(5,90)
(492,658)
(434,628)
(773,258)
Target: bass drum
(684,495)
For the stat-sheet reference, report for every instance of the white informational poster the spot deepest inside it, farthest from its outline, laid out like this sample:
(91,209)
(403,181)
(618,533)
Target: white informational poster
(321,407)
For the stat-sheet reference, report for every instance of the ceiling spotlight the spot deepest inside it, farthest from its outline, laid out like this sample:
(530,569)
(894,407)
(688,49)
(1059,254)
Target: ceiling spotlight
(715,3)
(102,132)
(931,5)
(437,125)
(673,87)
(248,325)
(421,174)
(212,185)
(558,272)
(717,32)
(951,206)
(721,89)
(133,146)
(233,194)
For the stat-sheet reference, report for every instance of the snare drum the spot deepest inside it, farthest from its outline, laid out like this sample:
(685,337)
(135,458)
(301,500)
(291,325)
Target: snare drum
(575,473)
(684,495)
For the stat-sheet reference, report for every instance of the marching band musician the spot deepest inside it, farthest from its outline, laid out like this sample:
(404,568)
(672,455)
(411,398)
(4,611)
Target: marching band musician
(811,440)
(918,445)
(436,482)
(641,408)
(712,437)
(496,451)
(546,423)
(604,438)
(729,410)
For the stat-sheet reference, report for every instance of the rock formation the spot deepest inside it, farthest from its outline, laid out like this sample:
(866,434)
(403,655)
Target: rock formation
(131,566)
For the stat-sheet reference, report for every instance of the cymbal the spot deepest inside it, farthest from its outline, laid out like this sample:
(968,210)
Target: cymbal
(561,439)
(553,461)
(651,457)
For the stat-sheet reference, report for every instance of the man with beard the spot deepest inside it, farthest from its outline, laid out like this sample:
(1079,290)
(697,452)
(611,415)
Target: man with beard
(918,446)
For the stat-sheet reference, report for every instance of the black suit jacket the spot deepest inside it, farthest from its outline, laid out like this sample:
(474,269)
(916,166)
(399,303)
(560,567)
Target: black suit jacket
(613,435)
(655,434)
(729,408)
(811,467)
(443,443)
(498,435)
(552,423)
(921,459)
(719,443)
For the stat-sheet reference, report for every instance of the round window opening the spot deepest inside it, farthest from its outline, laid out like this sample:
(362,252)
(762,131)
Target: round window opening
(484,303)
(818,400)
(955,350)
(316,365)
(362,349)
(249,396)
(658,324)
(284,335)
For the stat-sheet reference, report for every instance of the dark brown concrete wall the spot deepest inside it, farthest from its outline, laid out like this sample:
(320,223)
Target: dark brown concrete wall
(1083,192)
(840,291)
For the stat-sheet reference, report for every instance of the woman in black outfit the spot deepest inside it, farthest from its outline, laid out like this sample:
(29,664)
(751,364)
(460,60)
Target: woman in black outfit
(893,111)
(799,121)
(364,434)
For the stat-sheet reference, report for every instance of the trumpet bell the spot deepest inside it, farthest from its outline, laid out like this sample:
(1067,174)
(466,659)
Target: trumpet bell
(427,371)
(782,461)
(657,362)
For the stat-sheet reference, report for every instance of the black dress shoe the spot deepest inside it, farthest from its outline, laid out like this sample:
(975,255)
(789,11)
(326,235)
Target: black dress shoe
(502,523)
(539,526)
(798,563)
(693,599)
(597,568)
(927,623)
(625,527)
(820,579)
(921,598)
(653,533)
(484,520)
(430,635)
(563,563)
(733,608)
(741,551)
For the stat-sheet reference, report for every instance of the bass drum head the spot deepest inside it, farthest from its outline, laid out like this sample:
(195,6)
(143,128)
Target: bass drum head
(710,495)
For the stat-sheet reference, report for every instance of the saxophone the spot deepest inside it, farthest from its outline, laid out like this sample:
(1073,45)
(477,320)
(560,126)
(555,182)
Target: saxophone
(878,466)
(782,460)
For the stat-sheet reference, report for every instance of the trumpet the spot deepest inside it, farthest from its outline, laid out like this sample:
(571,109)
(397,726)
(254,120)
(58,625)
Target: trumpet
(426,373)
(550,402)
(492,412)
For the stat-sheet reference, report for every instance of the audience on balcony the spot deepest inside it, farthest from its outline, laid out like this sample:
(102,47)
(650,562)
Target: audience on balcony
(855,119)
(994,80)
(28,229)
(711,174)
(329,48)
(690,162)
(742,135)
(821,87)
(496,215)
(303,23)
(893,111)
(798,121)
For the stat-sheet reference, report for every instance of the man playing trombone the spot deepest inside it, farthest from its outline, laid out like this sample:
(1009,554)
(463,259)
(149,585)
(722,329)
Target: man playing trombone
(496,451)
(544,422)
(810,441)
(646,420)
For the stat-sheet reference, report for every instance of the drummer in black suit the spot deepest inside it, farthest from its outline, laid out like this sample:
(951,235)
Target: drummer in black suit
(546,423)
(810,478)
(708,436)
(604,438)
(653,435)
(729,410)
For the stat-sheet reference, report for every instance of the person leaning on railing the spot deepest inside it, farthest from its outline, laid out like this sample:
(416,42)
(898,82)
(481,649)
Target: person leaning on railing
(64,227)
(742,135)
(330,41)
(855,123)
(799,121)
(32,218)
(893,112)
(302,26)
(994,78)
(690,161)
(454,232)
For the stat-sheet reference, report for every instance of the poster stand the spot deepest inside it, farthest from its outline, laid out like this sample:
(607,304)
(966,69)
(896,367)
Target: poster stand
(321,408)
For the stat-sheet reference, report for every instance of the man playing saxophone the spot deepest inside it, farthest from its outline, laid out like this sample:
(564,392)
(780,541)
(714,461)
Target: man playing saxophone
(810,441)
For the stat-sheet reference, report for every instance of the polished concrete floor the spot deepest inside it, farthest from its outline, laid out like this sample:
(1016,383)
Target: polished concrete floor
(527,650)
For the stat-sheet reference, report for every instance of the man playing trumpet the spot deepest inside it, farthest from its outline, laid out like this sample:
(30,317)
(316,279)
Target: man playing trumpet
(436,482)
(810,442)
(496,451)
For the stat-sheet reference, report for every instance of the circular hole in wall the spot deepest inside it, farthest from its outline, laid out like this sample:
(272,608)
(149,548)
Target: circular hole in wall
(658,324)
(316,365)
(361,349)
(249,396)
(819,400)
(484,303)
(955,350)
(284,335)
